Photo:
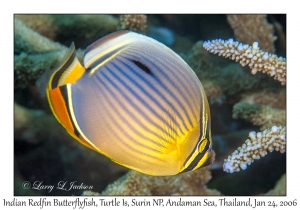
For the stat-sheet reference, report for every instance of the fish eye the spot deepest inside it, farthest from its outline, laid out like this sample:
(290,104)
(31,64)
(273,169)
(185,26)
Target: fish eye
(202,145)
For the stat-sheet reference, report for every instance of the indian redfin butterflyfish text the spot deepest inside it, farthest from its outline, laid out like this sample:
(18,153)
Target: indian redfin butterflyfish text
(135,101)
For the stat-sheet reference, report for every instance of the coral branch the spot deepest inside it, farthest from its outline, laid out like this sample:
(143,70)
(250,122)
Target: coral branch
(255,147)
(42,23)
(135,183)
(134,22)
(251,28)
(29,41)
(254,57)
(274,99)
(29,67)
(261,115)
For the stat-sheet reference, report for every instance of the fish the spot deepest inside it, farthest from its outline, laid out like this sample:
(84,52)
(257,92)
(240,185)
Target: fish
(135,101)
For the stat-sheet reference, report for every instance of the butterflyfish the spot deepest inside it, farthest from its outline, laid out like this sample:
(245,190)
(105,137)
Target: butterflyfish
(135,101)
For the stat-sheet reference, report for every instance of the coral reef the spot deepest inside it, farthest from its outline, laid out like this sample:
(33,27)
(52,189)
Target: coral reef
(135,183)
(239,102)
(29,41)
(255,147)
(86,27)
(134,22)
(254,57)
(261,115)
(253,28)
(215,79)
(259,107)
(269,98)
(29,67)
(43,24)
(33,54)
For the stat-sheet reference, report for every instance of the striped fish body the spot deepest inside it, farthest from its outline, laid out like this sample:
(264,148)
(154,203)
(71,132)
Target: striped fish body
(135,101)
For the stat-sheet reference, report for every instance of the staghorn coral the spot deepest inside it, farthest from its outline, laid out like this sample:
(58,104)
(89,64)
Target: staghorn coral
(34,54)
(43,24)
(261,115)
(199,61)
(28,68)
(31,42)
(243,81)
(274,99)
(255,147)
(264,107)
(133,22)
(135,183)
(253,28)
(254,57)
(217,79)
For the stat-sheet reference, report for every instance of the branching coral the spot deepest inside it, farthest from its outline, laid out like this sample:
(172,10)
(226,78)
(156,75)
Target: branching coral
(255,147)
(215,80)
(43,24)
(135,183)
(29,41)
(28,68)
(254,57)
(274,99)
(261,115)
(34,54)
(253,28)
(134,22)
